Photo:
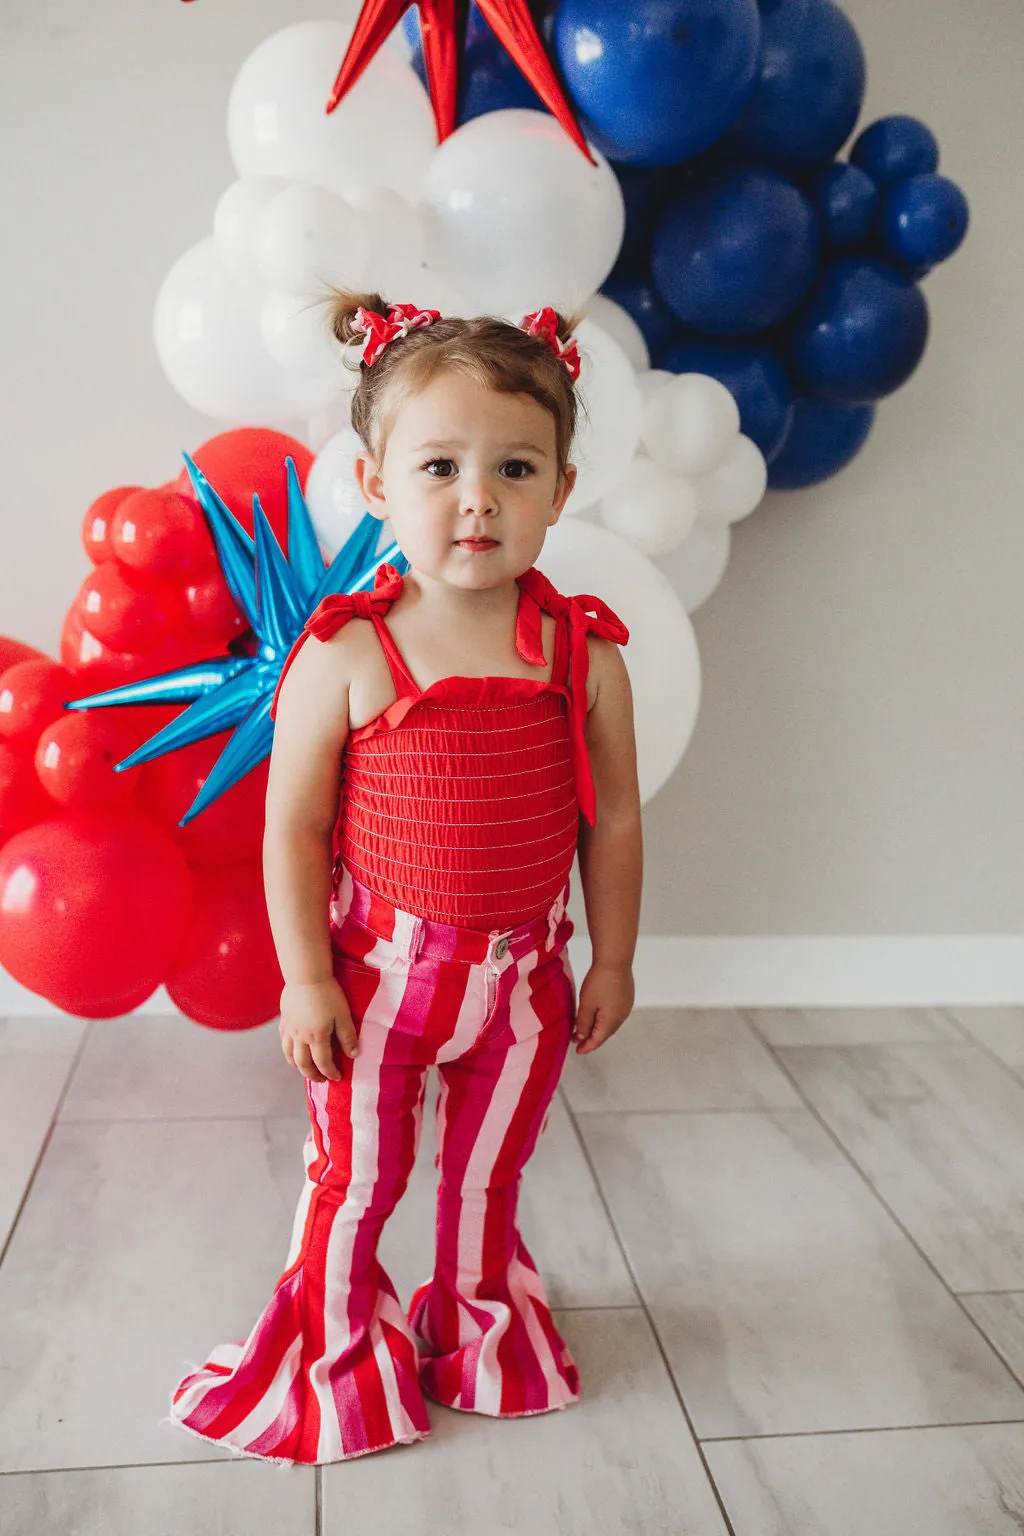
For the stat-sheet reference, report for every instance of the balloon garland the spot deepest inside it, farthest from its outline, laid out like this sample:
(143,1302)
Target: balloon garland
(750,295)
(109,886)
(724,120)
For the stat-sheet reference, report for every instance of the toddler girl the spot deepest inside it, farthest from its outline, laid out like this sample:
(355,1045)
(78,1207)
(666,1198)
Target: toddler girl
(435,766)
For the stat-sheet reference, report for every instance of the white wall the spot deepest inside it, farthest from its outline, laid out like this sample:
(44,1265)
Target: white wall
(857,764)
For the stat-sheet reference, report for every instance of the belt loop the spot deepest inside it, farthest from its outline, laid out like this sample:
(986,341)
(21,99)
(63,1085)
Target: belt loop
(415,937)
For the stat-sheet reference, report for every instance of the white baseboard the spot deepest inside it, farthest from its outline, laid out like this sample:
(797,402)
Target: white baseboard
(765,971)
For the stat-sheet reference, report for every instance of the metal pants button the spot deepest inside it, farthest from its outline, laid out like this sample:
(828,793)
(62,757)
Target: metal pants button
(501,949)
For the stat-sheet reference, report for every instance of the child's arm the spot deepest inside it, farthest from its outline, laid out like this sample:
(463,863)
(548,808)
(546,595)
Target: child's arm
(610,852)
(310,731)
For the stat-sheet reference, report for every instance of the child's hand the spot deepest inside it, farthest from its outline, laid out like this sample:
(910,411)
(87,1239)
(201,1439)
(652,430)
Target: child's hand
(605,1001)
(312,1013)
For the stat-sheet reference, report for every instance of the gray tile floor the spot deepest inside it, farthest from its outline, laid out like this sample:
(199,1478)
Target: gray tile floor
(786,1248)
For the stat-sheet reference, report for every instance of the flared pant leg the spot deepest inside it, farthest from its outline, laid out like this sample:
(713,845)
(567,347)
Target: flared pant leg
(490,1344)
(330,1369)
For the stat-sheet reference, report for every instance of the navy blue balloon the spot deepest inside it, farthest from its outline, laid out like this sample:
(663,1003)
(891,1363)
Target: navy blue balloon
(861,334)
(644,191)
(639,299)
(736,251)
(923,220)
(846,200)
(754,377)
(823,439)
(894,147)
(655,81)
(809,89)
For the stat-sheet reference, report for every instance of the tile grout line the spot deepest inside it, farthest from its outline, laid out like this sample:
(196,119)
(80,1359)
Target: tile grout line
(318,1490)
(980,1045)
(30,1181)
(746,1015)
(858,1429)
(643,1307)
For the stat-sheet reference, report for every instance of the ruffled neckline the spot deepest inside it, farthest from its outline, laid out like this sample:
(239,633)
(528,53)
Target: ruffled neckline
(472,692)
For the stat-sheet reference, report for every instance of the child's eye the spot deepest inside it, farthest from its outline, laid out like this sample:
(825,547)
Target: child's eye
(447,468)
(519,467)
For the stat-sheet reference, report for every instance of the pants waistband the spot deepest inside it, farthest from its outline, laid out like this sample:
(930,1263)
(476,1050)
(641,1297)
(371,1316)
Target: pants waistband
(414,935)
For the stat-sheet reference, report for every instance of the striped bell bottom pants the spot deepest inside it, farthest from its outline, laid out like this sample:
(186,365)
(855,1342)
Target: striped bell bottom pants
(334,1368)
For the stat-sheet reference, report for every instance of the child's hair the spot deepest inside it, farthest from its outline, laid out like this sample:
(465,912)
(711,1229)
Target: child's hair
(498,355)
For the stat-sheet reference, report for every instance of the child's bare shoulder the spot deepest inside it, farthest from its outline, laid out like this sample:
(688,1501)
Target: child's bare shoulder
(317,682)
(606,667)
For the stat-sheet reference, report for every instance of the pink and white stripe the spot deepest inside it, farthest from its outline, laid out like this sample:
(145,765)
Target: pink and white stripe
(334,1368)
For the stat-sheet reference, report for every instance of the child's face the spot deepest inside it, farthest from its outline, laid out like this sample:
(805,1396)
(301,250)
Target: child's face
(463,461)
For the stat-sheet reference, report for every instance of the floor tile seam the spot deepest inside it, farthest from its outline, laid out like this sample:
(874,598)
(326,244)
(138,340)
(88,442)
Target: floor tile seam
(47,1137)
(177,1119)
(645,1309)
(980,1045)
(893,1217)
(859,1429)
(735,1109)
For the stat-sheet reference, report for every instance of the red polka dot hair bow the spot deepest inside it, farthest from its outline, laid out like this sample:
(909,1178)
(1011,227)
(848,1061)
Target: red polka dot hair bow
(381,330)
(544,323)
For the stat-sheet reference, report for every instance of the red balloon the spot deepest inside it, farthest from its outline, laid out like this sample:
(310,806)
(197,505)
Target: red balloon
(212,610)
(230,829)
(23,800)
(93,909)
(127,614)
(250,460)
(32,693)
(12,650)
(226,974)
(75,760)
(96,522)
(96,667)
(161,534)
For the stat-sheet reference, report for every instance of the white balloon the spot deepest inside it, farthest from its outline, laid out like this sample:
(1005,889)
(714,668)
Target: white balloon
(608,425)
(654,510)
(661,655)
(235,218)
(698,564)
(382,131)
(621,327)
(652,379)
(332,495)
(690,424)
(394,238)
(296,333)
(736,487)
(206,326)
(516,217)
(307,238)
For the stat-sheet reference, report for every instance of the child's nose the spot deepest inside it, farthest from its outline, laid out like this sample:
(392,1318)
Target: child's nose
(478,494)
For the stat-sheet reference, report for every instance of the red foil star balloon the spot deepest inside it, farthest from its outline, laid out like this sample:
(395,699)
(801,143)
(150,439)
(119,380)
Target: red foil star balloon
(443,27)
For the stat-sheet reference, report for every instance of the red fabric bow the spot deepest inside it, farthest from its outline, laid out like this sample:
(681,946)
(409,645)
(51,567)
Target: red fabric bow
(380,331)
(544,323)
(587,615)
(337,608)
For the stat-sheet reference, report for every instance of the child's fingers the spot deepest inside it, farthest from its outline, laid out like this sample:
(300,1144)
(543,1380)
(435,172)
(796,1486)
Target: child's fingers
(323,1057)
(304,1061)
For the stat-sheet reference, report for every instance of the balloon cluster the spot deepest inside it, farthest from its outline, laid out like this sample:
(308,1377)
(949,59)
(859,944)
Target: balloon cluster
(104,893)
(751,253)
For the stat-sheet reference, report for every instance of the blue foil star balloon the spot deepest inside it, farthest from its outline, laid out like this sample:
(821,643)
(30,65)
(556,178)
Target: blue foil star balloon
(277,594)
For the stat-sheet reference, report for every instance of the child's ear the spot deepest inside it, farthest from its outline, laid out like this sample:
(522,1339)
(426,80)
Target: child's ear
(566,481)
(371,486)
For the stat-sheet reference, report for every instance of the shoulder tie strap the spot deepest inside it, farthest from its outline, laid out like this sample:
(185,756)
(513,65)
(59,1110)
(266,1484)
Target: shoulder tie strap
(335,610)
(586,614)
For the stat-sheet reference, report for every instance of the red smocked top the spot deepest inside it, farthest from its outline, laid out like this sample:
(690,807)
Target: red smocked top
(460,801)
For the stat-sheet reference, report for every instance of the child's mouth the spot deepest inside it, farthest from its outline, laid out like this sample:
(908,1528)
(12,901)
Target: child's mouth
(476,544)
